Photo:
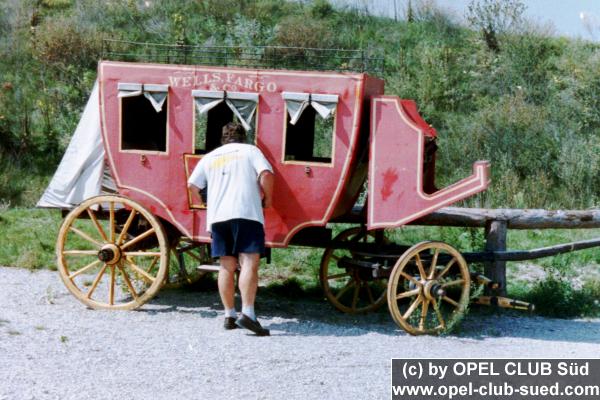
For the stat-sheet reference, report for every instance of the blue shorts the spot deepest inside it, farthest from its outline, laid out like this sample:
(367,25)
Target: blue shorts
(230,238)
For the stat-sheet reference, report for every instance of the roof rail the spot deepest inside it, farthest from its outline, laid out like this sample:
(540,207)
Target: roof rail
(269,57)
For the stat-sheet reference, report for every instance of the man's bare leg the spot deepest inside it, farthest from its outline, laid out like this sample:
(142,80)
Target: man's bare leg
(248,282)
(226,281)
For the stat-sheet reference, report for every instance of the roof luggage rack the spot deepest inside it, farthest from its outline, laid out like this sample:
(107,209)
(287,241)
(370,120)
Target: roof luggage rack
(271,57)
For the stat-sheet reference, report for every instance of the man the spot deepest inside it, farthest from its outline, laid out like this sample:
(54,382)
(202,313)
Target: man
(238,178)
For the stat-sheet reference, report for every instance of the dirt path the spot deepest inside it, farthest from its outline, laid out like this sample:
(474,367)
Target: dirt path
(52,347)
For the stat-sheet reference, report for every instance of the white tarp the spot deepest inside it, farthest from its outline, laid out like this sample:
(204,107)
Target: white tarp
(80,172)
(296,103)
(242,104)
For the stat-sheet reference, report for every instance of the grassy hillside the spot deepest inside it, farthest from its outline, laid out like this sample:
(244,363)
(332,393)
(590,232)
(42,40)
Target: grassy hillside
(530,106)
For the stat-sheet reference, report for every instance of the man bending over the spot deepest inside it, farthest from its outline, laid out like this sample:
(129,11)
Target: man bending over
(240,184)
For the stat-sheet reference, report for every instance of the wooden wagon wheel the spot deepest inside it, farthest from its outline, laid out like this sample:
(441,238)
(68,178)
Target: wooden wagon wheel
(351,290)
(185,257)
(112,253)
(428,289)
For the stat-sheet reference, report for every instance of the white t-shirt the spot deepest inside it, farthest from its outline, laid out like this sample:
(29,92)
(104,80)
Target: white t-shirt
(231,173)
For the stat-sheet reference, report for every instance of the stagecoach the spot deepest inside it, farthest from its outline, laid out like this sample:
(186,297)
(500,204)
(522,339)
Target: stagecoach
(333,138)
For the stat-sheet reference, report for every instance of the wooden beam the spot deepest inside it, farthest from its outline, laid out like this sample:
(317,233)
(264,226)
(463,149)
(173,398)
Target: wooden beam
(515,218)
(495,236)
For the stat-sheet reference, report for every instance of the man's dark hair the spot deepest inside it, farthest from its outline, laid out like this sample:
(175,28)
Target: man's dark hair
(233,133)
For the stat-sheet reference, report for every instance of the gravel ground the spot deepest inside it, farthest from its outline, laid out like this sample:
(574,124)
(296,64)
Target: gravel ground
(52,347)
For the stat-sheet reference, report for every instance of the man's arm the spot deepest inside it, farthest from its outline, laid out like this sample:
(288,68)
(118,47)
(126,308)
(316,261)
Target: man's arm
(266,181)
(197,190)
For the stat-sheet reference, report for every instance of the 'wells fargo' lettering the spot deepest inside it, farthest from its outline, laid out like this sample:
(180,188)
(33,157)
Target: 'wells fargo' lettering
(221,81)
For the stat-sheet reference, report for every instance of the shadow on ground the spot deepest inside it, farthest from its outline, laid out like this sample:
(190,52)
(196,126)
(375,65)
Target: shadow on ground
(304,315)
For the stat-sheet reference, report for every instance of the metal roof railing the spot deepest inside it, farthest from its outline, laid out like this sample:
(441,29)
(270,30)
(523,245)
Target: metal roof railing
(269,57)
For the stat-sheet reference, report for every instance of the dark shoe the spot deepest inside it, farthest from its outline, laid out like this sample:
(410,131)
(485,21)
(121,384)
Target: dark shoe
(248,323)
(229,323)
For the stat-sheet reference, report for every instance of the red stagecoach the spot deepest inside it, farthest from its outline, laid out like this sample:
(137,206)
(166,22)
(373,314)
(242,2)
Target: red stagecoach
(329,136)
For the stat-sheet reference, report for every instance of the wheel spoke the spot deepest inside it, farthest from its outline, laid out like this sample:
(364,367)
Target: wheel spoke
(410,278)
(409,293)
(446,268)
(123,233)
(128,283)
(82,270)
(451,301)
(424,314)
(96,281)
(453,283)
(334,257)
(142,253)
(433,263)
(112,221)
(111,288)
(369,293)
(80,252)
(344,289)
(438,314)
(355,296)
(420,266)
(86,236)
(194,256)
(140,271)
(152,264)
(138,238)
(337,276)
(412,307)
(92,215)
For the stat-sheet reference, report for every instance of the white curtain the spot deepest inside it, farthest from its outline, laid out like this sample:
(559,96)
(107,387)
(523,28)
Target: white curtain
(243,105)
(156,94)
(296,103)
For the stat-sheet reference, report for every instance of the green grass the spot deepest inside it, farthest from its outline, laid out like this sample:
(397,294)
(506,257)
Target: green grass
(28,236)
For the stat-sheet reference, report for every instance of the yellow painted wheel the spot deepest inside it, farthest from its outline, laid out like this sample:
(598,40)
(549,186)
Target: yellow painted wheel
(428,289)
(112,253)
(350,289)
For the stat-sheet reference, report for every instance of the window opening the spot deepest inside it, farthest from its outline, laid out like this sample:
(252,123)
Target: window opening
(214,109)
(310,127)
(143,116)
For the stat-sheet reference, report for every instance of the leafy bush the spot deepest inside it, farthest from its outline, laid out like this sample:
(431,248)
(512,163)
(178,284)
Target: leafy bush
(495,17)
(60,43)
(556,297)
(321,9)
(298,31)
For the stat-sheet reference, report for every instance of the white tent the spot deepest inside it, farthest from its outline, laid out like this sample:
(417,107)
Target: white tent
(79,175)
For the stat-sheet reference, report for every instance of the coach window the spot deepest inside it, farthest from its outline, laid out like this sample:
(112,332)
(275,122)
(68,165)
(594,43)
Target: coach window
(309,132)
(214,109)
(143,116)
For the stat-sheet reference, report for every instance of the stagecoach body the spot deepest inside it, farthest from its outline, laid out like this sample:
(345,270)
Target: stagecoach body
(328,136)
(149,116)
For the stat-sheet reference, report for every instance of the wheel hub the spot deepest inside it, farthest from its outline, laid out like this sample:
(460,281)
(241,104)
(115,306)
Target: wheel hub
(433,289)
(109,254)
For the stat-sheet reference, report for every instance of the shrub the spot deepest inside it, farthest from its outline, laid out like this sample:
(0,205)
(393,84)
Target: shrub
(321,9)
(60,42)
(495,17)
(579,169)
(298,31)
(556,297)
